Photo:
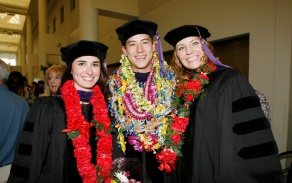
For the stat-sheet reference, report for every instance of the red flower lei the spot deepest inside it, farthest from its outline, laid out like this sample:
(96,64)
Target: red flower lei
(185,93)
(78,129)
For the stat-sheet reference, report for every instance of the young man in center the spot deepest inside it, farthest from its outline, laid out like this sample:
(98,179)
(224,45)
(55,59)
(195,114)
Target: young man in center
(140,102)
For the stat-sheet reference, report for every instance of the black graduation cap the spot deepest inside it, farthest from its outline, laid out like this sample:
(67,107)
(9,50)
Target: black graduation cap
(135,27)
(83,48)
(177,34)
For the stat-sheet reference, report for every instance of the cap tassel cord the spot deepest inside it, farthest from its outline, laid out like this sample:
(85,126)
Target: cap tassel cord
(105,65)
(160,56)
(209,53)
(211,56)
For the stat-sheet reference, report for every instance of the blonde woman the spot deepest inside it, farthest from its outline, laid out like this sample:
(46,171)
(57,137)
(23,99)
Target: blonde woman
(227,139)
(53,78)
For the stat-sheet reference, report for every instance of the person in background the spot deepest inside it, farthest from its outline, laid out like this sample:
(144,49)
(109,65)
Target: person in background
(33,86)
(264,104)
(27,93)
(66,137)
(15,82)
(53,78)
(13,110)
(141,91)
(40,89)
(227,139)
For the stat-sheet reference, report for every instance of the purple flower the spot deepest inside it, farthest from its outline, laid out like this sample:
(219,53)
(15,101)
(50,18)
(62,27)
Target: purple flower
(136,143)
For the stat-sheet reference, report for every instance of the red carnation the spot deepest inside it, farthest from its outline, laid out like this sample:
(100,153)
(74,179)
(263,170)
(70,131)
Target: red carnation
(203,76)
(84,128)
(104,144)
(166,156)
(189,97)
(176,138)
(195,85)
(179,124)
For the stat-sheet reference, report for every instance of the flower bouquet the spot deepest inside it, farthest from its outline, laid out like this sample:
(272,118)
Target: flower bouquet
(126,170)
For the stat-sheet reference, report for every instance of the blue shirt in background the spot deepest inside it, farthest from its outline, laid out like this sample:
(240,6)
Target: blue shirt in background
(13,111)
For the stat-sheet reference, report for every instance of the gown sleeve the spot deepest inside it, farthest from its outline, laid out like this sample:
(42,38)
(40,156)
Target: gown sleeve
(246,150)
(32,146)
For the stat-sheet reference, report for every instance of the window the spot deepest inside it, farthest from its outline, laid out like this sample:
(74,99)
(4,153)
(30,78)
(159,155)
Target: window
(54,25)
(62,14)
(72,5)
(234,51)
(9,58)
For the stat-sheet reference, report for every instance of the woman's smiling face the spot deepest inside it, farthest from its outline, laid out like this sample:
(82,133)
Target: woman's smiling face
(189,51)
(85,72)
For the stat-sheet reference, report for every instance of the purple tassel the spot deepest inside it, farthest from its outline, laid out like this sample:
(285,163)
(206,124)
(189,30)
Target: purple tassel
(105,65)
(211,56)
(209,53)
(160,56)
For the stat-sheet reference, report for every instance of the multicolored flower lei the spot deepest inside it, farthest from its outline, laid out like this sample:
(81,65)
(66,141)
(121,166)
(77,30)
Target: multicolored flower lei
(78,129)
(185,93)
(143,115)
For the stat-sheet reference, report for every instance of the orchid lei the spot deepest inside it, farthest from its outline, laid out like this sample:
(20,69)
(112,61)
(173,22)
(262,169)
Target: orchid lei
(143,115)
(78,129)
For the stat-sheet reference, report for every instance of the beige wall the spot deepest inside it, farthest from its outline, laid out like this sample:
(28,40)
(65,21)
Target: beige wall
(129,7)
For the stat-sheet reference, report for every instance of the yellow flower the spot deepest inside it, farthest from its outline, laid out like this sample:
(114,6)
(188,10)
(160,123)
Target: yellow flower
(163,130)
(121,138)
(156,146)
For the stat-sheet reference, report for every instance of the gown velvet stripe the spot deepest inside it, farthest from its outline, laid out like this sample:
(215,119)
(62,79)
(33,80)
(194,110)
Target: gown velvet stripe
(251,126)
(245,103)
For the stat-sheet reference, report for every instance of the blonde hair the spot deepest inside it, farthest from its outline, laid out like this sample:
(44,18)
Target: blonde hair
(58,69)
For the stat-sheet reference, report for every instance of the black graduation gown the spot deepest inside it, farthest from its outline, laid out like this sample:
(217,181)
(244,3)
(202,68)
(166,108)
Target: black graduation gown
(228,138)
(43,153)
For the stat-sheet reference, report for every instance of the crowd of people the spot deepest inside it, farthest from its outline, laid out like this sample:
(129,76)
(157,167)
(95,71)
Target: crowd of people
(18,84)
(194,120)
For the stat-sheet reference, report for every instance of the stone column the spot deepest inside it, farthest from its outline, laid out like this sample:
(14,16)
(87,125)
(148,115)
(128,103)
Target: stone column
(88,20)
(29,48)
(42,16)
